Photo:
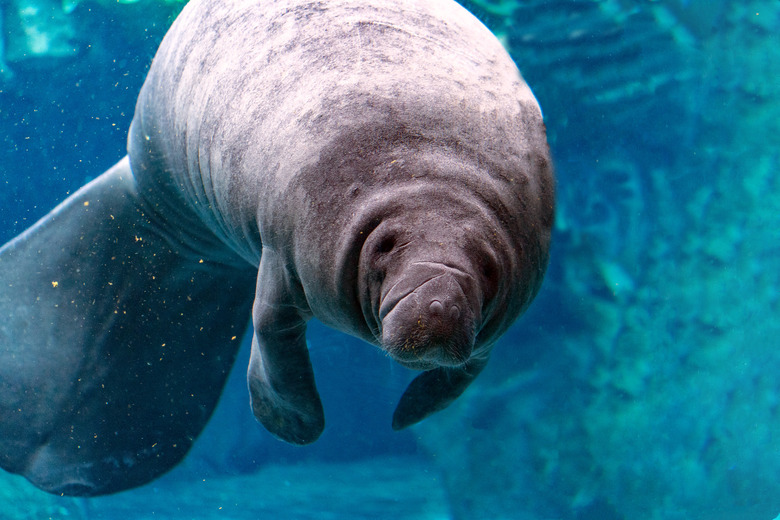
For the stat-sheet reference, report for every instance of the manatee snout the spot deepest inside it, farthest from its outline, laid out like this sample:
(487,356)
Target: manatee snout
(432,326)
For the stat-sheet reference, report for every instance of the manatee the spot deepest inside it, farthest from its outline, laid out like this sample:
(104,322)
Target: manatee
(377,164)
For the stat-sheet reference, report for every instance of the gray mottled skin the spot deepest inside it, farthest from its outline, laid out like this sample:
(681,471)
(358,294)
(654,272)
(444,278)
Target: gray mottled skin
(378,164)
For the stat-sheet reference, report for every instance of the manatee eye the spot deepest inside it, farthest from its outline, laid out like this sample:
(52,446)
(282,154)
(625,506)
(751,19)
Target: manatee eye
(490,275)
(379,257)
(386,245)
(488,270)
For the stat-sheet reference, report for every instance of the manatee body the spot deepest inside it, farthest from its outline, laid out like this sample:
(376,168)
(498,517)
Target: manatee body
(377,164)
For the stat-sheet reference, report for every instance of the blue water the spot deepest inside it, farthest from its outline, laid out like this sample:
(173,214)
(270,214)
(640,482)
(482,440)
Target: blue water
(643,381)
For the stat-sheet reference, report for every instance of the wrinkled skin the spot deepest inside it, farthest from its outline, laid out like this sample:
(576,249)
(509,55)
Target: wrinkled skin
(377,164)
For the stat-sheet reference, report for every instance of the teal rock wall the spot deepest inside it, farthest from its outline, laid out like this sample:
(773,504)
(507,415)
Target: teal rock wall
(643,382)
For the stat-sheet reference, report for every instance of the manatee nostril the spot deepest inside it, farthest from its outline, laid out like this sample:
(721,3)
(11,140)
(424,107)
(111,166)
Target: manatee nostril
(437,309)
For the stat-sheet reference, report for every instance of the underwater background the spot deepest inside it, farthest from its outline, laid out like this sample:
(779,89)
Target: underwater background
(644,382)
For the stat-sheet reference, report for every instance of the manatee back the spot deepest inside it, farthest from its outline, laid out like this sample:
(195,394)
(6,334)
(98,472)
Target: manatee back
(243,95)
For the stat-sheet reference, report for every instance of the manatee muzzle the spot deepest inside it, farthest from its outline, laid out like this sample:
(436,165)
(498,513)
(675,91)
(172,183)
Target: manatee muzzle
(433,325)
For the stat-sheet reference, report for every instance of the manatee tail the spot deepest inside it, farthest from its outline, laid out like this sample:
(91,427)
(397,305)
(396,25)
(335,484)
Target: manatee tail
(115,342)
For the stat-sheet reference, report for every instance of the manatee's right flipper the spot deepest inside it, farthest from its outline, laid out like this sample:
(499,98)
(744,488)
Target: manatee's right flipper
(433,391)
(115,341)
(281,380)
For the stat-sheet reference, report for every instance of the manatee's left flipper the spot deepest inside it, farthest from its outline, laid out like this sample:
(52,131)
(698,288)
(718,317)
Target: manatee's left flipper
(433,391)
(115,341)
(283,393)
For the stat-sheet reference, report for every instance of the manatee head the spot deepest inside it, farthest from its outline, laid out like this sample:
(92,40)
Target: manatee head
(454,257)
(427,242)
(429,284)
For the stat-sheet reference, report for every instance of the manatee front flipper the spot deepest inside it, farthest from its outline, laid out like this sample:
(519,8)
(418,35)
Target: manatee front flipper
(433,391)
(115,342)
(281,380)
